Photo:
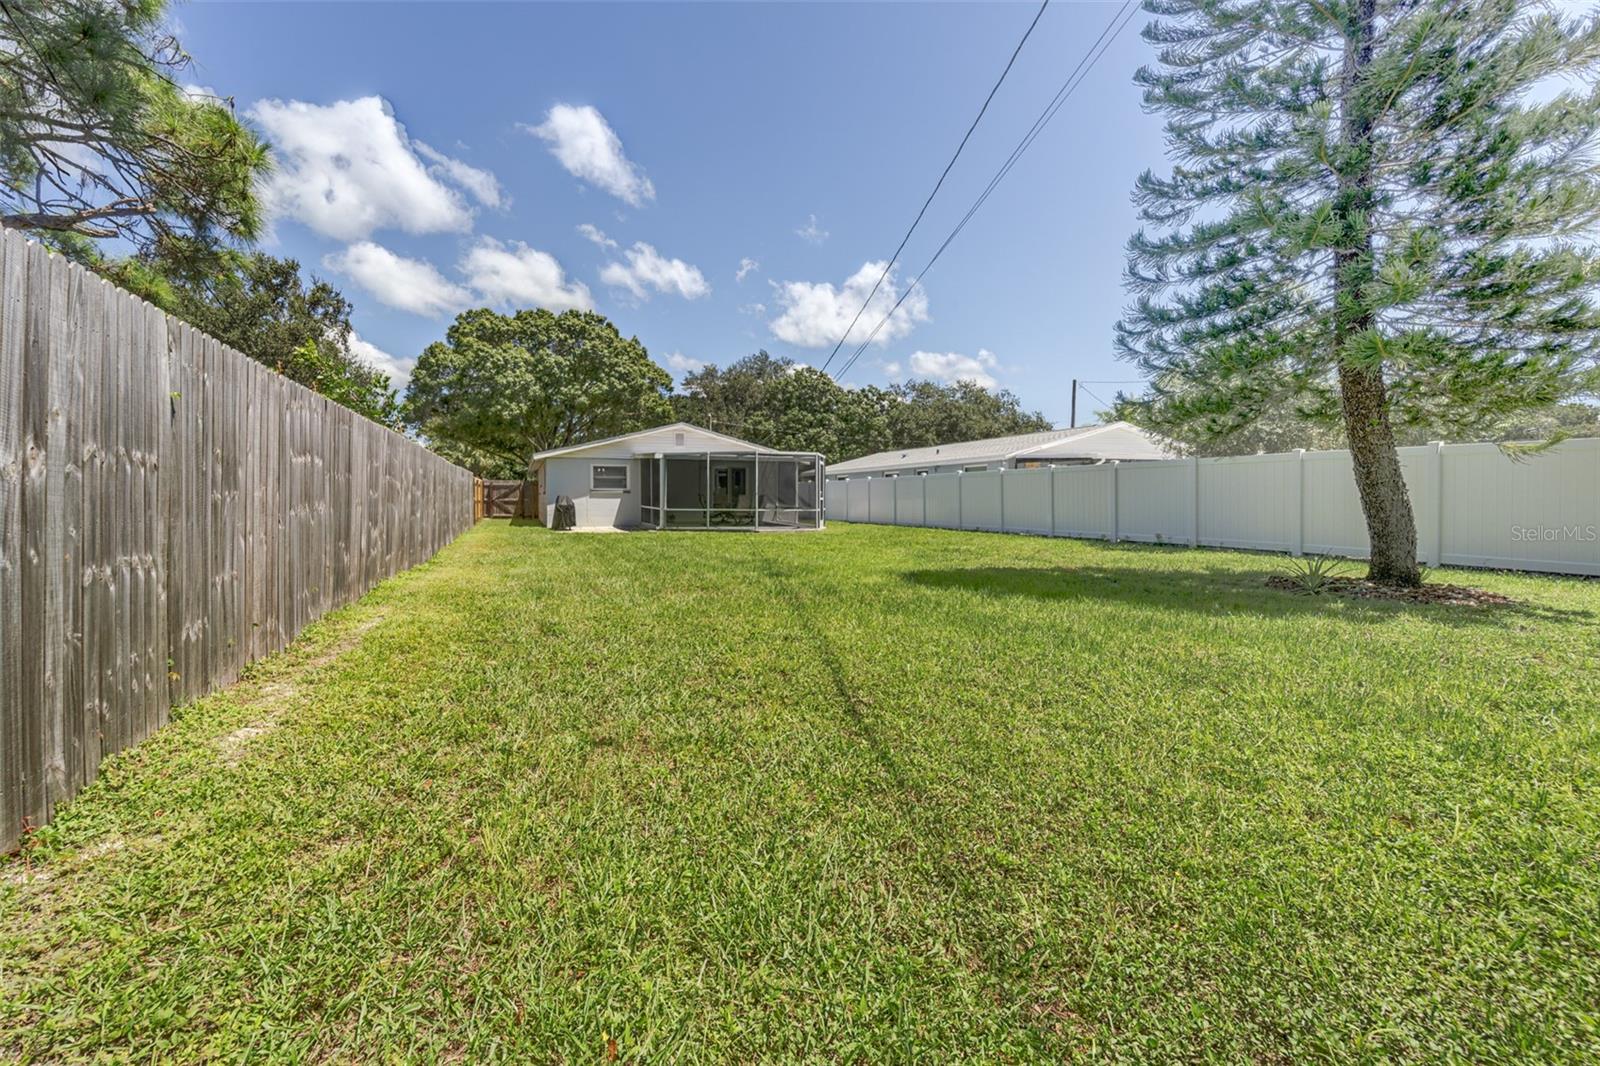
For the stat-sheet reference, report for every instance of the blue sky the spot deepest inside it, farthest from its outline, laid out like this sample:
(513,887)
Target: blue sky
(743,162)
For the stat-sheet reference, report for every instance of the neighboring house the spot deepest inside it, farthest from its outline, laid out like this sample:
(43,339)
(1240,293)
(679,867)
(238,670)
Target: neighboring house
(1120,441)
(680,476)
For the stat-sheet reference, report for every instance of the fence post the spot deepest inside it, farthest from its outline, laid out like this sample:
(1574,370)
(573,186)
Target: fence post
(1116,517)
(1437,544)
(924,479)
(1194,501)
(961,501)
(894,500)
(1300,502)
(1002,496)
(1052,470)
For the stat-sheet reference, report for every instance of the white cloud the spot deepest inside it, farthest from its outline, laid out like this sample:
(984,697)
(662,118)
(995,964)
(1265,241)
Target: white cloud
(757,309)
(204,94)
(584,143)
(683,364)
(484,186)
(951,367)
(816,315)
(812,233)
(413,285)
(515,274)
(648,269)
(398,369)
(496,273)
(747,266)
(347,169)
(595,235)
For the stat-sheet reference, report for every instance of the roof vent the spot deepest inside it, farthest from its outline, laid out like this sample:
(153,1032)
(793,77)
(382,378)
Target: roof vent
(677,439)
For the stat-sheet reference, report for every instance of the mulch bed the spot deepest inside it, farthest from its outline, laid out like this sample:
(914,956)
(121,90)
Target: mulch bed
(1360,588)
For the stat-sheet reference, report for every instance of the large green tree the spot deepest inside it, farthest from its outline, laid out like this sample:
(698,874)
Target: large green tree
(499,388)
(774,401)
(927,413)
(98,140)
(728,399)
(807,411)
(1381,211)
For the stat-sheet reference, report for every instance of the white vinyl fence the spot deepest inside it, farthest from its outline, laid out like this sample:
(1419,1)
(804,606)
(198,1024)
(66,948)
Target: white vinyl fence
(1474,505)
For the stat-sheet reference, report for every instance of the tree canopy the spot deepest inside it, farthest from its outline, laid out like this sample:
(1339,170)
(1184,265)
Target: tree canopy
(1378,214)
(97,139)
(499,388)
(926,413)
(771,400)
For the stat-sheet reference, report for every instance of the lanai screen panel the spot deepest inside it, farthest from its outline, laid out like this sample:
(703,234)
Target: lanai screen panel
(788,492)
(733,489)
(649,493)
(687,498)
(780,492)
(809,482)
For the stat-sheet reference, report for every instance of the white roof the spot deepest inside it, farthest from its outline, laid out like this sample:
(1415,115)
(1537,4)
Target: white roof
(1115,440)
(663,439)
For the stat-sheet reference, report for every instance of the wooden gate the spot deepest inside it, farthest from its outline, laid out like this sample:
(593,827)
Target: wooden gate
(501,499)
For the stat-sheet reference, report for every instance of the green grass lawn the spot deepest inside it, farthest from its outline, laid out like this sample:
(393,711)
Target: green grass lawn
(870,794)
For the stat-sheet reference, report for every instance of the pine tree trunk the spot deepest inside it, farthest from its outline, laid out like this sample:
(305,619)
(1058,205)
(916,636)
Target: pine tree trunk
(1391,526)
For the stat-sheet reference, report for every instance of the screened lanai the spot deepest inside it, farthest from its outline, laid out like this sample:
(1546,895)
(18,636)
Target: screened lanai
(730,490)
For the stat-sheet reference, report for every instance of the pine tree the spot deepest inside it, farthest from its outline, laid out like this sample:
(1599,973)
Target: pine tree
(1380,211)
(99,141)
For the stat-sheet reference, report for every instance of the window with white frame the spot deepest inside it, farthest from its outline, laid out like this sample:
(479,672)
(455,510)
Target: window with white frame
(607,477)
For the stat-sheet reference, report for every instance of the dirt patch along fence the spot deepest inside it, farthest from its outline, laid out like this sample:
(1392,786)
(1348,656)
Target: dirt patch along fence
(170,510)
(1474,504)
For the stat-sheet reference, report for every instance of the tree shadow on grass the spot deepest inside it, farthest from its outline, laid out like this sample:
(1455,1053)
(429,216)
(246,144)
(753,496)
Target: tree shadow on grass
(1214,590)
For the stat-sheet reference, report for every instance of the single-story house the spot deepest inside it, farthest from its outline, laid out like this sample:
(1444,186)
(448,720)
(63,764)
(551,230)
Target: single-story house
(680,476)
(1115,441)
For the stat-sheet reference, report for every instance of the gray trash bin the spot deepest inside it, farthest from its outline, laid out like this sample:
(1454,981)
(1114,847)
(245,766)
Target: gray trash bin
(566,515)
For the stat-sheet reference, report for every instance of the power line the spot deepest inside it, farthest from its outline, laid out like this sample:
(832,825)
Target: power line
(1097,396)
(1074,79)
(1103,43)
(889,264)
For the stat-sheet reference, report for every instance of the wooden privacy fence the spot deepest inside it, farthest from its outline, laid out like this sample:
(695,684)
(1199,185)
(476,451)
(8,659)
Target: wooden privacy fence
(1474,505)
(170,510)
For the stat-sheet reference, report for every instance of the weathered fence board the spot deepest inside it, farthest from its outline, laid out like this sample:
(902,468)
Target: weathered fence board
(1474,505)
(13,335)
(169,511)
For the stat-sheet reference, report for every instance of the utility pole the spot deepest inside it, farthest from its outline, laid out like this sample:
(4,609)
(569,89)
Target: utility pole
(1073,424)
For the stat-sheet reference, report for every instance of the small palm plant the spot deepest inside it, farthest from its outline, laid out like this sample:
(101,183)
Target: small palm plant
(1314,574)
